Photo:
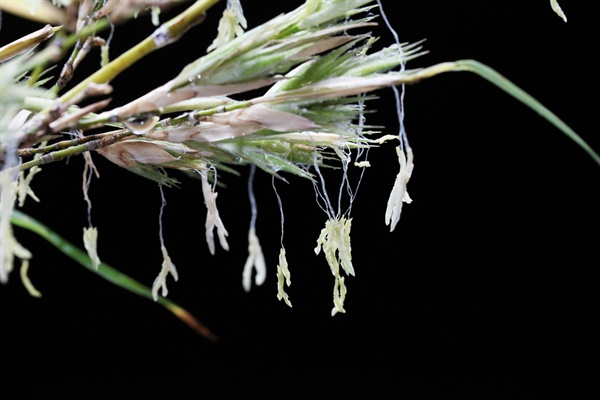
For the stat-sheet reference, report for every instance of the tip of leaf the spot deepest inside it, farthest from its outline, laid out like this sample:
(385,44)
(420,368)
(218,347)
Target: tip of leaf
(192,322)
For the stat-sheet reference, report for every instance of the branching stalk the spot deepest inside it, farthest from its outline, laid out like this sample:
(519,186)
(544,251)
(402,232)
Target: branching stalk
(74,150)
(65,144)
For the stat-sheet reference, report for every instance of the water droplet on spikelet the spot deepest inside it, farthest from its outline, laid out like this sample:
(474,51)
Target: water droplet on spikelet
(141,124)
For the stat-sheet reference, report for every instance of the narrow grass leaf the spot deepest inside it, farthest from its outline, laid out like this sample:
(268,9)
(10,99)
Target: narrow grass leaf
(107,272)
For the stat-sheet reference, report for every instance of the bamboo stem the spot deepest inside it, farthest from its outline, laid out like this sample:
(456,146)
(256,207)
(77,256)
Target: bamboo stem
(30,151)
(166,34)
(74,150)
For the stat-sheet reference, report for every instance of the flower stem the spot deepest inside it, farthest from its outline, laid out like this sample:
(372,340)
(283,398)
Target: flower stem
(65,144)
(103,141)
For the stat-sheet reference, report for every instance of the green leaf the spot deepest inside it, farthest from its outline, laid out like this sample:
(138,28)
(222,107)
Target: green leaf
(500,81)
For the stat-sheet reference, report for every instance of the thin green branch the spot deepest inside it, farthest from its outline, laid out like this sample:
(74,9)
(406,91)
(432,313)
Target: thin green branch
(65,144)
(86,31)
(212,111)
(80,51)
(107,272)
(74,150)
(59,46)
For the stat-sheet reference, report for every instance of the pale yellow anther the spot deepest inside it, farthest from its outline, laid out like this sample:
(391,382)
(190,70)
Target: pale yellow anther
(26,281)
(231,25)
(556,7)
(90,242)
(335,242)
(24,188)
(255,261)
(213,220)
(161,280)
(283,278)
(399,195)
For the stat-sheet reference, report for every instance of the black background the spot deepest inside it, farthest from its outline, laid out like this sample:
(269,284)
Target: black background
(485,289)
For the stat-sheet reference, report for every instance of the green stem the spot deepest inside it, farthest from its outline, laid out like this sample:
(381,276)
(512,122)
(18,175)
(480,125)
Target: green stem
(74,150)
(87,31)
(211,111)
(105,271)
(65,144)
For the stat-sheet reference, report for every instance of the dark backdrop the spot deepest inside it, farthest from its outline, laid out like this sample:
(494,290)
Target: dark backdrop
(484,290)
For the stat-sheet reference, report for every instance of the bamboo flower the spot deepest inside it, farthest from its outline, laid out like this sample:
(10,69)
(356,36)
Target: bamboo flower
(90,242)
(213,220)
(231,25)
(33,292)
(283,278)
(334,240)
(255,261)
(317,73)
(168,268)
(10,248)
(399,195)
(556,8)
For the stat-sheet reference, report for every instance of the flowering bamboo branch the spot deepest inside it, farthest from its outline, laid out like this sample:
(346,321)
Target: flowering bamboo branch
(317,76)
